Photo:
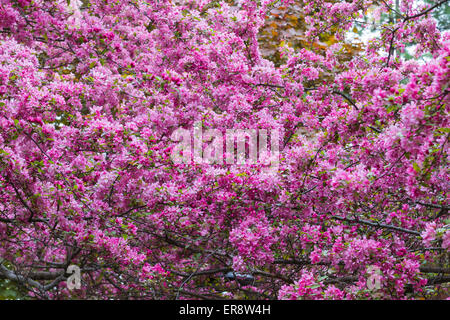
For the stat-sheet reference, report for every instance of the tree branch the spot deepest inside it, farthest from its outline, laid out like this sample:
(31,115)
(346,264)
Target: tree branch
(377,225)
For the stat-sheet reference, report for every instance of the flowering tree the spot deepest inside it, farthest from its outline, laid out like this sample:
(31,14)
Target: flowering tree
(91,92)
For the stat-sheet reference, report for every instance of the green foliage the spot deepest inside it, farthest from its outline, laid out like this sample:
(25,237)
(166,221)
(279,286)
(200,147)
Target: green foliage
(10,291)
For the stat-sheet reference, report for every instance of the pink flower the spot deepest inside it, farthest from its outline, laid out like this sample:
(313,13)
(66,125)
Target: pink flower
(334,293)
(315,255)
(429,234)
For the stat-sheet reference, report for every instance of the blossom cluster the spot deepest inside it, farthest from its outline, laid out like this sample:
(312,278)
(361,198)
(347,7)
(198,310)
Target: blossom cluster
(91,92)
